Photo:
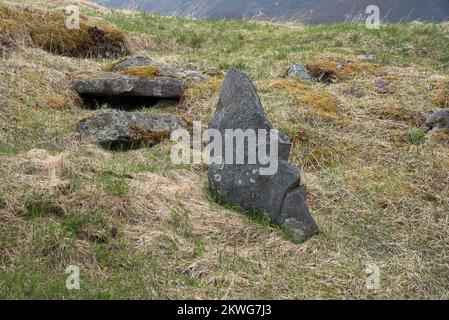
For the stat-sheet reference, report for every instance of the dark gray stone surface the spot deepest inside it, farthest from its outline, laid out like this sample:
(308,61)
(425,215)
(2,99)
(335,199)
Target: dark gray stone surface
(114,84)
(280,196)
(114,128)
(438,121)
(133,61)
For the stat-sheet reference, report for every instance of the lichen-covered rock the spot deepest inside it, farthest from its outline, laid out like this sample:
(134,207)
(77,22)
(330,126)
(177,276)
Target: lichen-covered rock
(299,71)
(280,196)
(108,84)
(133,61)
(114,128)
(438,121)
(141,62)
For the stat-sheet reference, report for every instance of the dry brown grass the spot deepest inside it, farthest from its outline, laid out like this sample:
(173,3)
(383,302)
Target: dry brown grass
(330,70)
(308,96)
(140,227)
(47,30)
(442,95)
(22,81)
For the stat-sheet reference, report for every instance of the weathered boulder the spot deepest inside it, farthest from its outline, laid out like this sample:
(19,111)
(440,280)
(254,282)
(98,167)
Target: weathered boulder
(438,121)
(108,84)
(299,71)
(280,196)
(120,129)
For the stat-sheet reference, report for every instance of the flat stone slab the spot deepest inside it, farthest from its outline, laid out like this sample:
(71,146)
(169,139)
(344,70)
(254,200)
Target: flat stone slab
(114,128)
(109,84)
(133,61)
(139,61)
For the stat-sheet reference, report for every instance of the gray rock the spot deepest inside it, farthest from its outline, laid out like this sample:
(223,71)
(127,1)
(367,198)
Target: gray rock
(280,196)
(438,121)
(368,58)
(108,84)
(239,107)
(119,129)
(383,87)
(299,71)
(132,81)
(133,61)
(164,70)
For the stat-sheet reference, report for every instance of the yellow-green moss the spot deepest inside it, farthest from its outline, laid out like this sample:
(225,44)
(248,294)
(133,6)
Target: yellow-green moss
(152,136)
(142,72)
(202,89)
(330,70)
(110,66)
(307,96)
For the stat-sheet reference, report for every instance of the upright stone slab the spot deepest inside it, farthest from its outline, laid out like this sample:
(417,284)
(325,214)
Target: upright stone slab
(280,196)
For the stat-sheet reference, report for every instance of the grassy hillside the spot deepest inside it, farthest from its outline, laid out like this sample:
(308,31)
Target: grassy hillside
(140,227)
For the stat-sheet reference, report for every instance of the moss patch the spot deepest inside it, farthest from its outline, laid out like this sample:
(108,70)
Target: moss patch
(333,70)
(307,96)
(142,72)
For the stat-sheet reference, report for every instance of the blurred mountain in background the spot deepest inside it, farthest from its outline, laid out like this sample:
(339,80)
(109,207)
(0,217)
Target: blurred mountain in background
(306,11)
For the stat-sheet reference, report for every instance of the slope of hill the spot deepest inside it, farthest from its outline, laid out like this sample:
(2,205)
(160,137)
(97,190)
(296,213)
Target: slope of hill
(318,11)
(139,226)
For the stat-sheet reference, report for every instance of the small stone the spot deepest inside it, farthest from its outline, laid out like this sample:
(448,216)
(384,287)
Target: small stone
(299,71)
(369,58)
(438,121)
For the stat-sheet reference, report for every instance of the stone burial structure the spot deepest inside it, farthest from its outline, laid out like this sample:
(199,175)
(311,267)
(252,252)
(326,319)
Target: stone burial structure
(280,196)
(134,82)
